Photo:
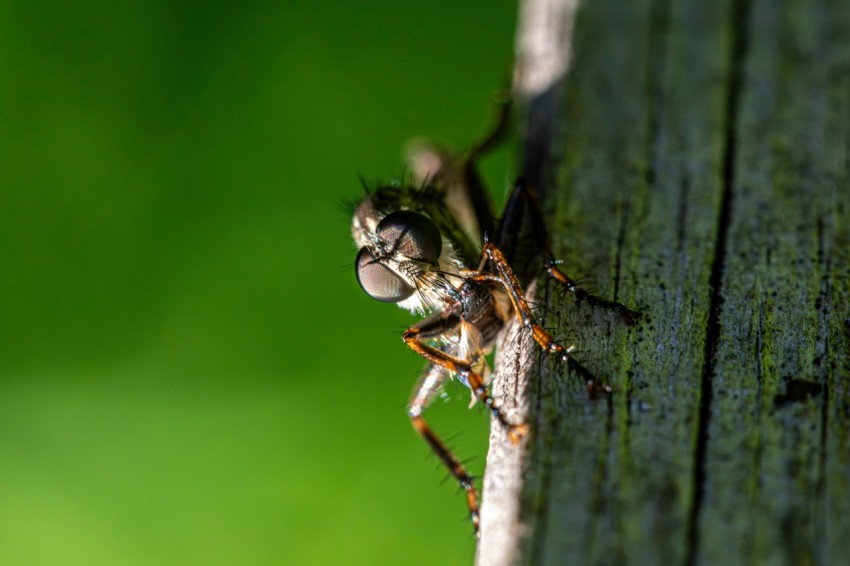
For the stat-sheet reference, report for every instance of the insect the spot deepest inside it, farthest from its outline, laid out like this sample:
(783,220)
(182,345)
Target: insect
(436,249)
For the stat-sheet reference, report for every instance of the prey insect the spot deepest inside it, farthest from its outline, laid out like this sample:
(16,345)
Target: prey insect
(435,248)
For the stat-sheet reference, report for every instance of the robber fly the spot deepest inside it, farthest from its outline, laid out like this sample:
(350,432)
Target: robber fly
(434,247)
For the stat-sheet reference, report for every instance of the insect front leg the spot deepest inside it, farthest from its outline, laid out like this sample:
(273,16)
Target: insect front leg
(521,194)
(428,386)
(415,337)
(504,276)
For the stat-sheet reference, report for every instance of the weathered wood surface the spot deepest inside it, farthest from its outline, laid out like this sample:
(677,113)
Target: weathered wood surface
(701,165)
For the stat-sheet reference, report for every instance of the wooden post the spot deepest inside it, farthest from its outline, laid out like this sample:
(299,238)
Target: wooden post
(698,168)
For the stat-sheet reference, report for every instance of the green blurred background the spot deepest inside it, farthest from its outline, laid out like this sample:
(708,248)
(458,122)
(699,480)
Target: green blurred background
(189,372)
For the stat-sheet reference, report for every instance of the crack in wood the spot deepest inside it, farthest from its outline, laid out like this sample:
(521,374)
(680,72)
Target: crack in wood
(823,306)
(740,25)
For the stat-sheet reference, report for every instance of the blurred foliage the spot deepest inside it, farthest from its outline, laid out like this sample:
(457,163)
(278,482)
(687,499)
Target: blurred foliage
(188,370)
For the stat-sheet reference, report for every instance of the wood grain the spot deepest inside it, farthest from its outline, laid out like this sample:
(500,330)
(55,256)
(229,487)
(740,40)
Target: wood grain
(699,171)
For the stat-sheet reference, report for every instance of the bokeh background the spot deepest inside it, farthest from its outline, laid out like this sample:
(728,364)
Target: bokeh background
(189,372)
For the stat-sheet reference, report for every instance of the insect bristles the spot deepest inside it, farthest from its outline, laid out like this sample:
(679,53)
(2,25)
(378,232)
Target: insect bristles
(347,205)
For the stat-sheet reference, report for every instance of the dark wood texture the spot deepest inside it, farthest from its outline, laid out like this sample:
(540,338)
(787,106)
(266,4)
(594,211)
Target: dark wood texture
(700,173)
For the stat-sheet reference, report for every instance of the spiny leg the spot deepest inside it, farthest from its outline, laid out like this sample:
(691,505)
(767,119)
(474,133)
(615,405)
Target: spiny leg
(466,194)
(428,386)
(522,193)
(414,338)
(505,277)
(472,181)
(496,136)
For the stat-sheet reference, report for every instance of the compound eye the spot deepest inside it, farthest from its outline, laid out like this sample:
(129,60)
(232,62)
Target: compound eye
(411,234)
(378,281)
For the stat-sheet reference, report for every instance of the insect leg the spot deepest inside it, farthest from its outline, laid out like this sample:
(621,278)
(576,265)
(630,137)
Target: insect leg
(505,277)
(496,136)
(458,174)
(429,384)
(415,337)
(472,182)
(523,193)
